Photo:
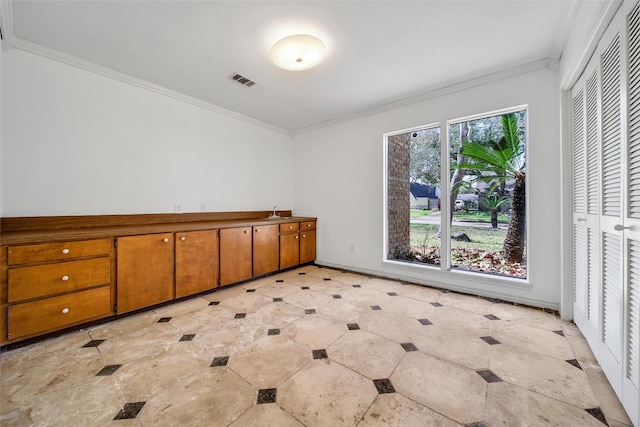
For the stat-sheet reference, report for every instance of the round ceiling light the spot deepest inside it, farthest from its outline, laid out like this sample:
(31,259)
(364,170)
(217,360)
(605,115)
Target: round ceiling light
(298,52)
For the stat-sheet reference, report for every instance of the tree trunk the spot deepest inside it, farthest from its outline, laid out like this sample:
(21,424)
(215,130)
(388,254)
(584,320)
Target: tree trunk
(513,249)
(494,218)
(457,176)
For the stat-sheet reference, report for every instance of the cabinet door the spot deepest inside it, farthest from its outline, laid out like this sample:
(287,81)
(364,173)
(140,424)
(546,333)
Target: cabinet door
(145,271)
(235,255)
(307,246)
(289,250)
(266,253)
(196,262)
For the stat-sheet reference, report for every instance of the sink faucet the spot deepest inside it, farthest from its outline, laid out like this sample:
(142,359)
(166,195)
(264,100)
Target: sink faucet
(274,211)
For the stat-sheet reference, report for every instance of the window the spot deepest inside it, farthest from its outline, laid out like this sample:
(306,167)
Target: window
(485,195)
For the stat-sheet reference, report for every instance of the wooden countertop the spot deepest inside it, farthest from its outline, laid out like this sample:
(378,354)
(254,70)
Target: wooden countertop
(27,230)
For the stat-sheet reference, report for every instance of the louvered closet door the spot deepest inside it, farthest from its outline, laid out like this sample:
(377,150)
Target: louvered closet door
(586,203)
(610,57)
(631,224)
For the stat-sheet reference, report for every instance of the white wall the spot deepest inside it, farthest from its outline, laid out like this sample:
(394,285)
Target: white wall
(338,174)
(74,142)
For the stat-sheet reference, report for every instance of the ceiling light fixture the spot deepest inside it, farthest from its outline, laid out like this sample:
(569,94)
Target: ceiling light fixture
(298,52)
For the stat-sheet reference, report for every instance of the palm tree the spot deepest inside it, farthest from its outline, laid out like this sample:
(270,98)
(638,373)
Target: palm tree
(502,161)
(493,203)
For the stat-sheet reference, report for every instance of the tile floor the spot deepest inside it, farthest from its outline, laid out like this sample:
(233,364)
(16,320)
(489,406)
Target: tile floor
(314,347)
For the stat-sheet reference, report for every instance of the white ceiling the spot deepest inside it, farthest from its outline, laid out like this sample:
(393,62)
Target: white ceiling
(380,52)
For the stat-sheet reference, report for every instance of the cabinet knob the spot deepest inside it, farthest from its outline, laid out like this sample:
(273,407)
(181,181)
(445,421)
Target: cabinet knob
(245,231)
(308,225)
(290,227)
(304,235)
(65,310)
(165,240)
(65,278)
(257,230)
(183,238)
(65,251)
(296,236)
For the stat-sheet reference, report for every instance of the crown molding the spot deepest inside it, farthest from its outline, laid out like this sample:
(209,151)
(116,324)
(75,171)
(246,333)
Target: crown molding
(574,71)
(436,93)
(55,55)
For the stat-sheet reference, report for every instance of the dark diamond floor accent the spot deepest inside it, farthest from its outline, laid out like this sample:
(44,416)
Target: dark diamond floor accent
(220,361)
(353,326)
(491,317)
(108,370)
(409,346)
(273,331)
(575,363)
(277,299)
(561,333)
(164,319)
(304,288)
(384,386)
(425,322)
(392,294)
(489,376)
(187,337)
(319,354)
(129,411)
(310,311)
(356,286)
(326,279)
(375,307)
(490,340)
(267,395)
(302,273)
(336,296)
(241,315)
(279,281)
(251,290)
(598,414)
(436,304)
(214,303)
(476,425)
(93,343)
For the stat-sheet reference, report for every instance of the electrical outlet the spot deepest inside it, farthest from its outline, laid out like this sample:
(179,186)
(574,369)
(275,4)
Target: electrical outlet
(352,249)
(177,207)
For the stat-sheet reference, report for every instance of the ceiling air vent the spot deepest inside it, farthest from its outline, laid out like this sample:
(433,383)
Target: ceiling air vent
(243,80)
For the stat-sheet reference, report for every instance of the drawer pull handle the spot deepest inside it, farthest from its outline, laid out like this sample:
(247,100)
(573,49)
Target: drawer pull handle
(65,310)
(165,240)
(65,251)
(65,278)
(183,238)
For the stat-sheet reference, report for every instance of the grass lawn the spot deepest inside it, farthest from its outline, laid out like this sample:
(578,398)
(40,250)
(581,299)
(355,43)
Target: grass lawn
(418,212)
(486,238)
(479,216)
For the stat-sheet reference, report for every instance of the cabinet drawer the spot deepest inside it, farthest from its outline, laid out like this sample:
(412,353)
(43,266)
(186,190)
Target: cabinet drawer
(292,226)
(57,251)
(307,225)
(50,279)
(58,312)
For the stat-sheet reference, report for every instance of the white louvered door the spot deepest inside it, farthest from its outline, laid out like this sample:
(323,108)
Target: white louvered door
(631,223)
(586,202)
(606,213)
(610,58)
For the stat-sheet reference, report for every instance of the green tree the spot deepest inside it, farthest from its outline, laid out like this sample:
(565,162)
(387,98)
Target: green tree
(503,160)
(494,203)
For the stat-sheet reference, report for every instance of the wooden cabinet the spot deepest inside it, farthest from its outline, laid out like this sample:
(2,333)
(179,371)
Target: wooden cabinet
(196,261)
(58,272)
(266,251)
(307,241)
(235,255)
(145,271)
(54,285)
(289,245)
